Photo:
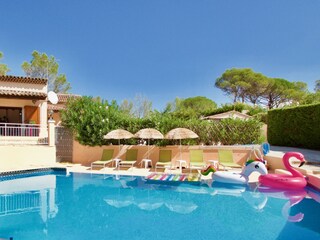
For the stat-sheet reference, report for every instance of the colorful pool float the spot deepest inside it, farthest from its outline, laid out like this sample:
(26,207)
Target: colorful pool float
(173,177)
(284,181)
(238,178)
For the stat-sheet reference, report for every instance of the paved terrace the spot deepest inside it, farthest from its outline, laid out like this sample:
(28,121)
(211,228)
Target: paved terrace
(312,157)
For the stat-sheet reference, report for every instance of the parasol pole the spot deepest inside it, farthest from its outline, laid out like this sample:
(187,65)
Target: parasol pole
(148,147)
(180,149)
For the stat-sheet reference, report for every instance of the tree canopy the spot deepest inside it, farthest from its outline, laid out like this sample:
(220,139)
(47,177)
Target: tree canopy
(44,66)
(245,85)
(140,107)
(3,67)
(192,107)
(317,86)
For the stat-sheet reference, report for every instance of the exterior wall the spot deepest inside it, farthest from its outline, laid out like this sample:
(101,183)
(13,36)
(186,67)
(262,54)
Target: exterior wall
(85,155)
(264,132)
(43,119)
(23,157)
(56,117)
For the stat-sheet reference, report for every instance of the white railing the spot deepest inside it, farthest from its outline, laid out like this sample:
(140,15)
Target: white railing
(17,133)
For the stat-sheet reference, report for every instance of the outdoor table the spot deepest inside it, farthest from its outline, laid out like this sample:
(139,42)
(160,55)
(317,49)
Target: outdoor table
(181,163)
(117,162)
(146,162)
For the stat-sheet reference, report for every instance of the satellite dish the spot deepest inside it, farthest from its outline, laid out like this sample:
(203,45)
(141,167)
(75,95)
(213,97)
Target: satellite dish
(53,97)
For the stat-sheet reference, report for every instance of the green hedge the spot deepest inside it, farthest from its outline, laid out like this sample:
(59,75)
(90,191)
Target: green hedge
(228,131)
(90,120)
(295,127)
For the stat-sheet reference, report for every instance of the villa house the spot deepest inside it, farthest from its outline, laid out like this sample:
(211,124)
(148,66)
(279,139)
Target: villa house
(25,135)
(23,106)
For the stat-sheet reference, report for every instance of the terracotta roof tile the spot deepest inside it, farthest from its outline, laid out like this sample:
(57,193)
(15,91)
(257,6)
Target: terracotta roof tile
(56,107)
(17,79)
(63,97)
(19,93)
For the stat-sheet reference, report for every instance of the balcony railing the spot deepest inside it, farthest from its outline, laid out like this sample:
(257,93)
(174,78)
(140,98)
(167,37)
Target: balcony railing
(16,133)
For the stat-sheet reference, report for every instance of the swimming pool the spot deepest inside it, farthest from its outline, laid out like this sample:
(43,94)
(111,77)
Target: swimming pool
(84,206)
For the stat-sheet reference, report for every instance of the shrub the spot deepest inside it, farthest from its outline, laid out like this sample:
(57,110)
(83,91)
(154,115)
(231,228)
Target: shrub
(87,119)
(295,127)
(91,119)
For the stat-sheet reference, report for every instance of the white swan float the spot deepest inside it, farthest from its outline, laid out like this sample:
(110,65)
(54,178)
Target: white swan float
(237,178)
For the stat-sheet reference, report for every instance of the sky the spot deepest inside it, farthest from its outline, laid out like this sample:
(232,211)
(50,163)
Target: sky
(163,49)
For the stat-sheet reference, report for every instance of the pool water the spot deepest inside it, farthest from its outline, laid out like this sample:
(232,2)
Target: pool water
(84,206)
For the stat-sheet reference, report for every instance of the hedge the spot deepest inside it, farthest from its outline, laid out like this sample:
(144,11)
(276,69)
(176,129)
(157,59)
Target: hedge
(295,127)
(90,120)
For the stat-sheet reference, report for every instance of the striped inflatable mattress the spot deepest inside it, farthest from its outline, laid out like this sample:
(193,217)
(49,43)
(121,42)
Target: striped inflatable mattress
(173,177)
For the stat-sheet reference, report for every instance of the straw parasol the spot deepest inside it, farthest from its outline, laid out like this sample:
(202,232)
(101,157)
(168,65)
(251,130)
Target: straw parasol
(118,134)
(180,133)
(149,133)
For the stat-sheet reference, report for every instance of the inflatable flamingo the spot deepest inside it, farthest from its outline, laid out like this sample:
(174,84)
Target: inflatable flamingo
(284,181)
(237,178)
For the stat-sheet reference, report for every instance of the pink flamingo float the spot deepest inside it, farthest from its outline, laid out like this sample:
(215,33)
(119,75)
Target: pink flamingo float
(284,181)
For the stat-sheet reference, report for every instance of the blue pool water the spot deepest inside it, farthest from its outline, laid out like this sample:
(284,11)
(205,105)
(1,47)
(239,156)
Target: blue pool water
(84,206)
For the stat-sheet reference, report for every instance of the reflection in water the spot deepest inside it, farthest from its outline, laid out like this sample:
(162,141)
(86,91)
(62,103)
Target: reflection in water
(18,196)
(101,203)
(255,199)
(145,198)
(179,202)
(258,199)
(182,207)
(294,197)
(150,204)
(135,191)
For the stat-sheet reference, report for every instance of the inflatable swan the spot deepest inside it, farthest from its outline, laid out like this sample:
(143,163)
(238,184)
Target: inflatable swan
(284,181)
(237,178)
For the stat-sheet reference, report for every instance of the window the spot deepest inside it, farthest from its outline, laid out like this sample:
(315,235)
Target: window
(10,115)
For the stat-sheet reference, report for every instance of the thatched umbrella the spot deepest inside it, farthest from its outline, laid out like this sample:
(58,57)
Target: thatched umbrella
(149,133)
(180,133)
(118,134)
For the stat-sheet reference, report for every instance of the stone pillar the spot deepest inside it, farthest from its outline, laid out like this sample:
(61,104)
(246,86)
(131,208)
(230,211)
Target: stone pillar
(51,130)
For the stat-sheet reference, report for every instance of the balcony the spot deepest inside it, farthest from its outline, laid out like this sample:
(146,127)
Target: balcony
(25,134)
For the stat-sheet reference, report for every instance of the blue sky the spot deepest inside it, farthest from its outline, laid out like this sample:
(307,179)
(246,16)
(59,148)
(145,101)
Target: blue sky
(163,49)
